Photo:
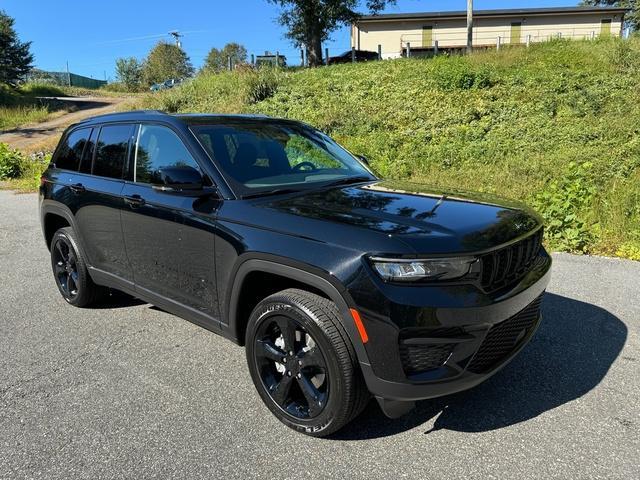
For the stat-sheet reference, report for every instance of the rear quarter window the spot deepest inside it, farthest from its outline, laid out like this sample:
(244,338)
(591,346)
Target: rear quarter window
(71,149)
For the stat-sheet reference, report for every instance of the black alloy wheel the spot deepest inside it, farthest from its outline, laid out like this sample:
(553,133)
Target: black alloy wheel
(292,367)
(65,267)
(303,364)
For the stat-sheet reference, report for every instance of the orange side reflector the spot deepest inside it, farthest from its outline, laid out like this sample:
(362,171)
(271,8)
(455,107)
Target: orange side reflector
(360,325)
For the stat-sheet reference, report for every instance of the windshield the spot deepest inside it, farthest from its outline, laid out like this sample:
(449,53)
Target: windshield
(261,157)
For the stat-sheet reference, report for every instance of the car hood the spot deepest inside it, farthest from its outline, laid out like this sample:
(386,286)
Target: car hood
(427,219)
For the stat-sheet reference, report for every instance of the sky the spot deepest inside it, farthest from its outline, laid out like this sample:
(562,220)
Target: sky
(90,35)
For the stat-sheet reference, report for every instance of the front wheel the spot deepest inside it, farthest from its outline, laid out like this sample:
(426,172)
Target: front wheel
(303,364)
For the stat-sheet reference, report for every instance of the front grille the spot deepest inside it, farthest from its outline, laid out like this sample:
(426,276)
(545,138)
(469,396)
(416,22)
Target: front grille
(504,337)
(503,267)
(419,358)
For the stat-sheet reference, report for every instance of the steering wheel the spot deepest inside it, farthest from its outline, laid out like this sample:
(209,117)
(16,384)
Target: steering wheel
(300,165)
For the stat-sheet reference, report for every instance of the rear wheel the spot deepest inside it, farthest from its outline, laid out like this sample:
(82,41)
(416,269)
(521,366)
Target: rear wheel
(303,364)
(70,270)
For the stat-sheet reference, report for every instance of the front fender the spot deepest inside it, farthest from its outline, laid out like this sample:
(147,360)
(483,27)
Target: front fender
(307,274)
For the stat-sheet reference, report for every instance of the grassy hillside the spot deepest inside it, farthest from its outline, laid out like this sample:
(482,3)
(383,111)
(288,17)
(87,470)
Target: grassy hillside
(21,107)
(557,125)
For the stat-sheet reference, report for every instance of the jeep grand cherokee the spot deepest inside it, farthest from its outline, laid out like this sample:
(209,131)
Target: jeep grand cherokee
(340,285)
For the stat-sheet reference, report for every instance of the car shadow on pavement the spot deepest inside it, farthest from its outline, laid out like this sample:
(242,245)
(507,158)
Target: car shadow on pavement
(570,354)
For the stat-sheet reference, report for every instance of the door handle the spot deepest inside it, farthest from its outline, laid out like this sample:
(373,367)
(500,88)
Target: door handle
(77,188)
(134,201)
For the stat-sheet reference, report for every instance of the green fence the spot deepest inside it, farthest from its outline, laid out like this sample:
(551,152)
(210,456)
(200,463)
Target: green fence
(64,78)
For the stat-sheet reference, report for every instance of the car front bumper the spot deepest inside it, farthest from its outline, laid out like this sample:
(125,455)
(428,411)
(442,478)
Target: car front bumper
(482,333)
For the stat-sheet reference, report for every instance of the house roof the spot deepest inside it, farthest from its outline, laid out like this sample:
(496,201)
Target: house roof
(507,12)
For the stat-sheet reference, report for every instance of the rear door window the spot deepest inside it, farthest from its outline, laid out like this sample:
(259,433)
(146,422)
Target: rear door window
(70,153)
(111,150)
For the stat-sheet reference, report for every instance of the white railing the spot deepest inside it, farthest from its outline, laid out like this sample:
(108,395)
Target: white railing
(494,37)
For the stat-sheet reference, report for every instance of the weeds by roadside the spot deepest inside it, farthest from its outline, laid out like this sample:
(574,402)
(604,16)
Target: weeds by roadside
(19,171)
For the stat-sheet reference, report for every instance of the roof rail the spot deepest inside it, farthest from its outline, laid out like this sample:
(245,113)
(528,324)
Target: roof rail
(123,114)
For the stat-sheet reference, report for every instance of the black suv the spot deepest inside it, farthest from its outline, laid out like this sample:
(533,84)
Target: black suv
(339,284)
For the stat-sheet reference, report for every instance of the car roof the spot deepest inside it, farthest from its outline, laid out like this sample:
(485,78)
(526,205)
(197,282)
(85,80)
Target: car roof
(181,118)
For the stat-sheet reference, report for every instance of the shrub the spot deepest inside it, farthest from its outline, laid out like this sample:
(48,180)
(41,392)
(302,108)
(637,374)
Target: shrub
(261,85)
(14,164)
(11,162)
(458,73)
(563,205)
(629,250)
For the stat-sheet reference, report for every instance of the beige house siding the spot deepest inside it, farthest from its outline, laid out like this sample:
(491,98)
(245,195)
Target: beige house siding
(393,35)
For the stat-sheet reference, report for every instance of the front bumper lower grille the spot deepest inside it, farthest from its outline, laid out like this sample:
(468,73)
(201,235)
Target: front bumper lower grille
(422,350)
(421,358)
(503,338)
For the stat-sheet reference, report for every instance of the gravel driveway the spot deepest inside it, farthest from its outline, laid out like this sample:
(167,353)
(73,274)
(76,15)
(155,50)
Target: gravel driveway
(25,136)
(128,391)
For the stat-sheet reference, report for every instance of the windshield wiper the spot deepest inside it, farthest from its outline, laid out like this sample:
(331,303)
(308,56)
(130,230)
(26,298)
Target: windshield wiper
(282,191)
(265,193)
(349,180)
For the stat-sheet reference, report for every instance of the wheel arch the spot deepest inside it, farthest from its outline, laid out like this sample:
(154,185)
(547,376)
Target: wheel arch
(53,218)
(54,214)
(53,222)
(311,277)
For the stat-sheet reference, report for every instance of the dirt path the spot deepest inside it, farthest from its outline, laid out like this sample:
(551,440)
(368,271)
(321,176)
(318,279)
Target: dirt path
(29,135)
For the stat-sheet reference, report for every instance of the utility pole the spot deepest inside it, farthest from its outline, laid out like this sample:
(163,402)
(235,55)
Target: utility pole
(68,75)
(469,26)
(177,35)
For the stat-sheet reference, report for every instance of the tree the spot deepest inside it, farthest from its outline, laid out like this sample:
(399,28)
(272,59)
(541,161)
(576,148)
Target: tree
(166,61)
(310,22)
(15,56)
(632,18)
(217,60)
(129,72)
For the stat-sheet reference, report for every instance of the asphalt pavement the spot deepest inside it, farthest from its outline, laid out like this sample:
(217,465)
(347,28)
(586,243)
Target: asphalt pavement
(129,391)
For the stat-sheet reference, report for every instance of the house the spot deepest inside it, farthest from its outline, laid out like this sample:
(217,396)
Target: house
(428,32)
(270,59)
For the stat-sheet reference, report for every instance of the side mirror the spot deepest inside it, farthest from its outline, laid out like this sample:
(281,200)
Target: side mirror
(363,159)
(180,177)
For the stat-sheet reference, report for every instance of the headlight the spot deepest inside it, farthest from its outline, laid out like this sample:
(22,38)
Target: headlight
(408,270)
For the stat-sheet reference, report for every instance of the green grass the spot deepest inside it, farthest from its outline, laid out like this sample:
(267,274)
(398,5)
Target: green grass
(35,89)
(21,107)
(556,125)
(12,117)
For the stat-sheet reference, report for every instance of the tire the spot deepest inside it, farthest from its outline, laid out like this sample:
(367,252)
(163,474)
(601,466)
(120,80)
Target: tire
(316,387)
(70,270)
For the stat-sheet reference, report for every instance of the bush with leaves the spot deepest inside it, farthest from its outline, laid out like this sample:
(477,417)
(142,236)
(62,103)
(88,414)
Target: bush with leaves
(11,162)
(15,165)
(564,205)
